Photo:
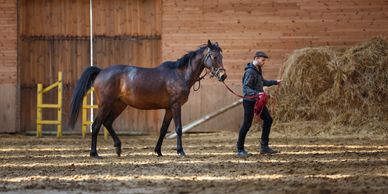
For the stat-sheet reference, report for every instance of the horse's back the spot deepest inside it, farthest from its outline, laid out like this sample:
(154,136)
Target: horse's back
(136,86)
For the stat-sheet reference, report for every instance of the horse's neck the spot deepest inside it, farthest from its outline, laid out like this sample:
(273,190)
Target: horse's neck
(193,70)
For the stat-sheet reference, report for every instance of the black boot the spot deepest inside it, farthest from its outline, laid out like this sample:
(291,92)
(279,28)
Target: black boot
(265,149)
(242,154)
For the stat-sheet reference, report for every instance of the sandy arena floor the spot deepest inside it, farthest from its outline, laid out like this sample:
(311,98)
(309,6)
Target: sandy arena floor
(310,165)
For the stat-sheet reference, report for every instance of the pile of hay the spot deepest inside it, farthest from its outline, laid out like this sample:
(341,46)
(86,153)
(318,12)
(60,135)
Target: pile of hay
(336,87)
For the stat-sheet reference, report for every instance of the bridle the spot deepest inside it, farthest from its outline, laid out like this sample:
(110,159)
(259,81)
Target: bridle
(214,71)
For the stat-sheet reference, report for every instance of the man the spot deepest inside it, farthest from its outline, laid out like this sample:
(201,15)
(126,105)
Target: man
(253,83)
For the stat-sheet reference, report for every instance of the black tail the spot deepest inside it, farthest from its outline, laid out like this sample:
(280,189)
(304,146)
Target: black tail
(82,87)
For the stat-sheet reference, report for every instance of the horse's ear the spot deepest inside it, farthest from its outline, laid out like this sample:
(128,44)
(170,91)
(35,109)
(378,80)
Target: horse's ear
(216,44)
(209,44)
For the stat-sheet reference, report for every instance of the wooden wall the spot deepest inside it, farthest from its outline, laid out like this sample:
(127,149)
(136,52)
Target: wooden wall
(127,17)
(275,26)
(54,37)
(54,18)
(8,65)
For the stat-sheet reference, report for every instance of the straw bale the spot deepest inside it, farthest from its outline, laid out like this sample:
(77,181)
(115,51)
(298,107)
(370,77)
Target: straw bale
(337,87)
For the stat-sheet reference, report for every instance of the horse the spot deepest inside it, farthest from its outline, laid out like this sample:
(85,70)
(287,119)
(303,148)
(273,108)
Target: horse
(164,87)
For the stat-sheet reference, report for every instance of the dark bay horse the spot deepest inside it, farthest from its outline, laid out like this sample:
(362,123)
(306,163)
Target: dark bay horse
(164,87)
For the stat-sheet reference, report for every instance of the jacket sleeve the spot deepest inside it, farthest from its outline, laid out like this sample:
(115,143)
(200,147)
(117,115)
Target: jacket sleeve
(269,82)
(248,83)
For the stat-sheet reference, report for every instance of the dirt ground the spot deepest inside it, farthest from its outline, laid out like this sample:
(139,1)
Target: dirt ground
(308,165)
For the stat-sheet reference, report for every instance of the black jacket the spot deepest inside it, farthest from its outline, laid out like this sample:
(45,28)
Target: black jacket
(253,81)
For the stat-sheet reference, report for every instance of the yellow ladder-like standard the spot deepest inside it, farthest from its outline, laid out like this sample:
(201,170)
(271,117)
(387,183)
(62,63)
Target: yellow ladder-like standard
(58,106)
(85,107)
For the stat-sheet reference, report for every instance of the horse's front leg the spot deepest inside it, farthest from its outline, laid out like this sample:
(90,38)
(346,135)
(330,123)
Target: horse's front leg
(176,111)
(163,130)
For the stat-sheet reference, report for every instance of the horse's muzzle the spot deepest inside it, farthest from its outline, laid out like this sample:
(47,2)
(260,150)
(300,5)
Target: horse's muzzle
(220,73)
(222,77)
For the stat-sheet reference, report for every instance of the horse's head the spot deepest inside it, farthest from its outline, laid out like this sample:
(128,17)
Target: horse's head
(213,60)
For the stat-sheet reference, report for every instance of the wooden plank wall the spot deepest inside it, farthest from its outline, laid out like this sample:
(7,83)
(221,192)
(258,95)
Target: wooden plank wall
(54,18)
(54,37)
(8,65)
(275,26)
(127,17)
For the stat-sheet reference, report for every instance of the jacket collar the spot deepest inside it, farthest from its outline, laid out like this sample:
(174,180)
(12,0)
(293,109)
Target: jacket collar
(256,68)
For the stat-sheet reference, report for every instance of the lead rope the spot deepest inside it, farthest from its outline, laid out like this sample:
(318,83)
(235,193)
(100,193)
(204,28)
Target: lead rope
(244,97)
(240,96)
(201,77)
(199,81)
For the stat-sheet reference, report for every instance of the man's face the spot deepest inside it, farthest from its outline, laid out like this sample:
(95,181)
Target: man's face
(260,61)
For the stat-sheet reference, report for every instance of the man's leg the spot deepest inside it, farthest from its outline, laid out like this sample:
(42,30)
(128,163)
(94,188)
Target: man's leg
(267,123)
(248,117)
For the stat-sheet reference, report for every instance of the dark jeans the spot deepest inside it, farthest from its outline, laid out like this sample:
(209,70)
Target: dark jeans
(248,117)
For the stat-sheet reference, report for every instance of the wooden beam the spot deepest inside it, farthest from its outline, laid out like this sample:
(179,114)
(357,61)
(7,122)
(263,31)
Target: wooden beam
(206,118)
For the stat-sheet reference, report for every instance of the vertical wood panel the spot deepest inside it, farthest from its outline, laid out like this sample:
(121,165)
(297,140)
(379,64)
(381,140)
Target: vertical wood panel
(54,37)
(54,18)
(41,61)
(127,17)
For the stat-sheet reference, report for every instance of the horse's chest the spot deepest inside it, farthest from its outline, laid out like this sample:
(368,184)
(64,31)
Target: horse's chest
(178,92)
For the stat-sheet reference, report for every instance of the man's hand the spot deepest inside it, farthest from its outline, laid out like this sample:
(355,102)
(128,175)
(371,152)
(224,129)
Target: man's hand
(278,81)
(261,94)
(257,95)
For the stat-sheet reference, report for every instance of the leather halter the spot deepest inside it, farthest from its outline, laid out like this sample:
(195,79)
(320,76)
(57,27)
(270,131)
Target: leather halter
(213,71)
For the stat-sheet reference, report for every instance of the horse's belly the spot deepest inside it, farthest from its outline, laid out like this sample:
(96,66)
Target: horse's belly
(145,103)
(150,96)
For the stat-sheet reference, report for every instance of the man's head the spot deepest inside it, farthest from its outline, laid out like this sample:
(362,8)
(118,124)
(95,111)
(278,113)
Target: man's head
(260,58)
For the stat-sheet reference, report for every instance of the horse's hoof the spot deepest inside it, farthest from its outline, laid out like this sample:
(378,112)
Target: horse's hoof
(181,154)
(159,153)
(118,151)
(95,156)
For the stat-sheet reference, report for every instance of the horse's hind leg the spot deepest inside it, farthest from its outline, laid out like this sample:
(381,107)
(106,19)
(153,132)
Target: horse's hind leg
(163,130)
(101,116)
(117,109)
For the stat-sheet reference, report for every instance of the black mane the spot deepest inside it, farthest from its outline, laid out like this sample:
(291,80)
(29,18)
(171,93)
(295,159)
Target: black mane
(181,61)
(184,60)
